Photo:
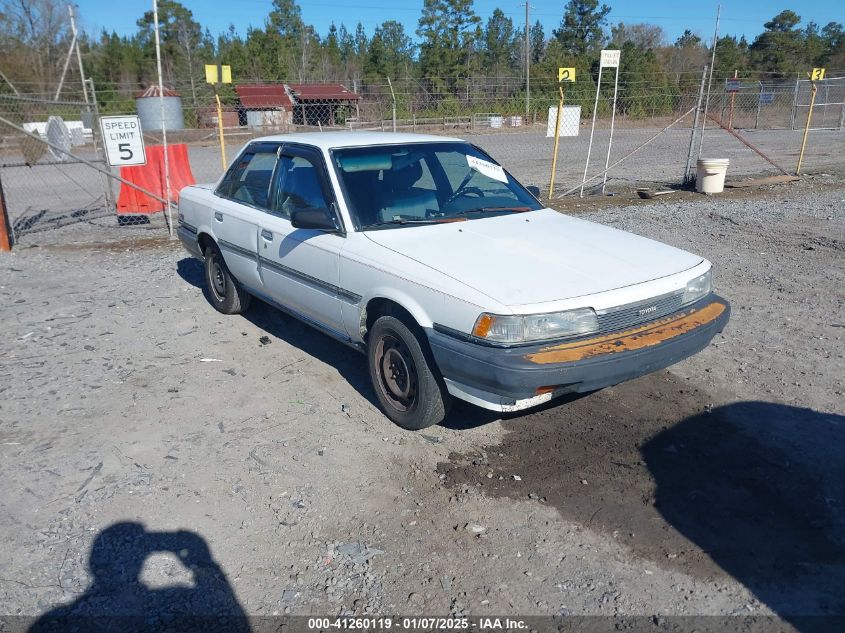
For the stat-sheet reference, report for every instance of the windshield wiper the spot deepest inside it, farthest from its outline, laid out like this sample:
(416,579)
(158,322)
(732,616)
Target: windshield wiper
(494,210)
(402,221)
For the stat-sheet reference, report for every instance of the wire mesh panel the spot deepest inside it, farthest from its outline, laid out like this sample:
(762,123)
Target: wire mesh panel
(828,107)
(46,188)
(45,185)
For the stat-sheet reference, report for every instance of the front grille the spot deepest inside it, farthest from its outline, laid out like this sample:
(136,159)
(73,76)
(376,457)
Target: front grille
(624,317)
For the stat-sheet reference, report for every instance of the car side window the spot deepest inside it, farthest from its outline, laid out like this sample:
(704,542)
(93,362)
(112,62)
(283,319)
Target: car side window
(296,186)
(248,180)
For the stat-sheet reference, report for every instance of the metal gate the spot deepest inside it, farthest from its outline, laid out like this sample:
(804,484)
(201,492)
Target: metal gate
(829,107)
(52,167)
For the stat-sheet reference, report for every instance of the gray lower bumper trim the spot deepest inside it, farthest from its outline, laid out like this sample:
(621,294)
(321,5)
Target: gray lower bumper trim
(507,371)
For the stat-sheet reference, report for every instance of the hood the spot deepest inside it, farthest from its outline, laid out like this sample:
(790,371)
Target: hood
(536,257)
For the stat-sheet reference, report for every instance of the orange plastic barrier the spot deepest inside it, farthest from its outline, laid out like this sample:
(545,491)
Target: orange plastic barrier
(151,177)
(181,175)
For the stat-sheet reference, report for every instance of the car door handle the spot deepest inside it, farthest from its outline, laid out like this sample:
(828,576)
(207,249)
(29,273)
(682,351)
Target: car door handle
(218,216)
(267,235)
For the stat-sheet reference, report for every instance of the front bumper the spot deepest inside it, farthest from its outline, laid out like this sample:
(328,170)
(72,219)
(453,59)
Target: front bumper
(509,378)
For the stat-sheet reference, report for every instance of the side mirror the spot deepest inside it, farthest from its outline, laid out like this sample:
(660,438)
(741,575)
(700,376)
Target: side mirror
(319,219)
(534,191)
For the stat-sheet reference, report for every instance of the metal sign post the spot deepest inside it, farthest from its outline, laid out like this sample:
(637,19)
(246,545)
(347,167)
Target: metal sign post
(216,74)
(564,75)
(609,58)
(592,132)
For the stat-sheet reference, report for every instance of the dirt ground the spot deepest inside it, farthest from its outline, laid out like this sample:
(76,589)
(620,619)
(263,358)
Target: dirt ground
(147,441)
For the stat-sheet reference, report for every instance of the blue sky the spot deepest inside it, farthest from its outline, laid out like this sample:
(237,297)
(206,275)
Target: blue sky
(738,17)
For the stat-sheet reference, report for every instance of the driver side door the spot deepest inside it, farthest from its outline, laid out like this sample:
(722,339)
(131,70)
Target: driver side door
(300,267)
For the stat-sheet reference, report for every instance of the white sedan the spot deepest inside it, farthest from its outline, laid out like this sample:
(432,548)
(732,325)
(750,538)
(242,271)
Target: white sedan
(427,255)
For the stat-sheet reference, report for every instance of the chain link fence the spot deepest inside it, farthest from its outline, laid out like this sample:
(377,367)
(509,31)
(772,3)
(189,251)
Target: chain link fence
(44,188)
(47,189)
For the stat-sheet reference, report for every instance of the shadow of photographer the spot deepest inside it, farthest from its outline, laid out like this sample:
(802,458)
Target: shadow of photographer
(118,600)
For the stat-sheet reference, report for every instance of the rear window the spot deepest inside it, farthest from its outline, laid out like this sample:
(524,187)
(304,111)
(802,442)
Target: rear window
(248,179)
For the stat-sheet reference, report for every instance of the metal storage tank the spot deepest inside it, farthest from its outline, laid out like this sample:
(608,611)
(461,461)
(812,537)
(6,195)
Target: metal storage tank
(148,105)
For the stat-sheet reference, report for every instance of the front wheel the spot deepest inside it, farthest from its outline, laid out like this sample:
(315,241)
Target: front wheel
(404,377)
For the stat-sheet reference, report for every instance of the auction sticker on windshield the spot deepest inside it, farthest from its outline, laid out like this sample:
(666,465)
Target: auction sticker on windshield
(496,172)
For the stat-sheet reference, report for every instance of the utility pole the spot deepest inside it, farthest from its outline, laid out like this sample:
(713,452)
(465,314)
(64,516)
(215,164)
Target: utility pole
(168,194)
(710,79)
(78,53)
(65,67)
(527,67)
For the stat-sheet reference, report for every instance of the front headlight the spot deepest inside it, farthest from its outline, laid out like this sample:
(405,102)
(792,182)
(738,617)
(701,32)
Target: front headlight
(698,288)
(498,328)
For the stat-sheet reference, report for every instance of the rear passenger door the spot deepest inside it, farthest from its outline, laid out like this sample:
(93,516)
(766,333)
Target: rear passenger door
(300,267)
(242,198)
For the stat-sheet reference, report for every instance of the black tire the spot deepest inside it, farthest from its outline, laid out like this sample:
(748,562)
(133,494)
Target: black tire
(404,376)
(222,289)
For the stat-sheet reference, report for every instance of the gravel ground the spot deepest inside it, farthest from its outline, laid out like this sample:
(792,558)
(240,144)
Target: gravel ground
(147,442)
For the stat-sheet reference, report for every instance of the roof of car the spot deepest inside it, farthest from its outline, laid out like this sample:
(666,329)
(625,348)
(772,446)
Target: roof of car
(329,140)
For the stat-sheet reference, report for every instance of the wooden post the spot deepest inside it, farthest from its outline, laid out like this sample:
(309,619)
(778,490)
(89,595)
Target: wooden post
(220,130)
(557,142)
(806,127)
(5,241)
(731,111)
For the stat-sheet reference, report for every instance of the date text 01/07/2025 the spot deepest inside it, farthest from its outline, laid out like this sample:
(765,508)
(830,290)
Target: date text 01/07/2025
(415,623)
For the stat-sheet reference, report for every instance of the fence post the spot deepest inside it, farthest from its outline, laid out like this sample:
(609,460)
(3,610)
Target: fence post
(688,172)
(5,227)
(759,99)
(99,149)
(794,104)
(592,131)
(824,104)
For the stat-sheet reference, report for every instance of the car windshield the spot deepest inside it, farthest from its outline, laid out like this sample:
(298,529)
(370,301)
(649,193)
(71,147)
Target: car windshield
(389,186)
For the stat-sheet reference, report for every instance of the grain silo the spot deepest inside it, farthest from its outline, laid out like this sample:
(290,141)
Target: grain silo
(149,109)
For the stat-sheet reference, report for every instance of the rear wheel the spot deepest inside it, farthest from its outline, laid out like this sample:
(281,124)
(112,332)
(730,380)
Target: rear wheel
(224,291)
(404,376)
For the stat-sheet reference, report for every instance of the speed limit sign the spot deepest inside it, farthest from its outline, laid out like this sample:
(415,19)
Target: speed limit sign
(123,140)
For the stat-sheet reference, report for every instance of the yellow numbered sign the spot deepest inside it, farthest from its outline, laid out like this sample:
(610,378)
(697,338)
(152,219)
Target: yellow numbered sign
(817,74)
(218,74)
(566,74)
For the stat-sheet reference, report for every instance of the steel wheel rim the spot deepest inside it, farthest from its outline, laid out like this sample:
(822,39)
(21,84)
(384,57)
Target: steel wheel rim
(396,372)
(218,279)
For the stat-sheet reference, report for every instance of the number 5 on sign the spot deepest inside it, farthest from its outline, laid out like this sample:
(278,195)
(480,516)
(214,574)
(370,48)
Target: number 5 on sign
(817,74)
(123,140)
(566,74)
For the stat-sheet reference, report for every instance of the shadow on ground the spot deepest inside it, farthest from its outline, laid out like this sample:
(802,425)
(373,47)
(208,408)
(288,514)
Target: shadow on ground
(754,490)
(118,600)
(350,364)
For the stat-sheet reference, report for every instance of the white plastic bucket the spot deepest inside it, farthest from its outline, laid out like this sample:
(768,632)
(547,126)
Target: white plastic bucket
(710,175)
